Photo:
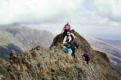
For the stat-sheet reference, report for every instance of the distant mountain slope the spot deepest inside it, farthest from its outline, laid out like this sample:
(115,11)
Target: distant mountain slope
(116,43)
(8,44)
(23,38)
(113,53)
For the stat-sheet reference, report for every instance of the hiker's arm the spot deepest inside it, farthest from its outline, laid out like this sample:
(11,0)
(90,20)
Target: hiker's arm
(64,39)
(70,39)
(69,28)
(73,35)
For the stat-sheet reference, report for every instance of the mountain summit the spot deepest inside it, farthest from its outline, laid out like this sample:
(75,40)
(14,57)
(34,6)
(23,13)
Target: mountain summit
(53,64)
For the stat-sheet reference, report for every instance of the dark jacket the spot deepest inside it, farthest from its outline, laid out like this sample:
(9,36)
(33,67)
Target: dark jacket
(87,56)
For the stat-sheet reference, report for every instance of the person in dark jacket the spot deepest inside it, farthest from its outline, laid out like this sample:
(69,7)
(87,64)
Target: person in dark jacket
(73,46)
(87,57)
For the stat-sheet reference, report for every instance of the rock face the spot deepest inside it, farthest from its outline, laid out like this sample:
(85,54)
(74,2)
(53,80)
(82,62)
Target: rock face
(52,63)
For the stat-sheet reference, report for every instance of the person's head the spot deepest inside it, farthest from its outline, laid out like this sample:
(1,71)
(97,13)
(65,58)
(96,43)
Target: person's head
(67,23)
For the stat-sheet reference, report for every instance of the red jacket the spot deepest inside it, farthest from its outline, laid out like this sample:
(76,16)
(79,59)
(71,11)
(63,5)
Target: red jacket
(66,27)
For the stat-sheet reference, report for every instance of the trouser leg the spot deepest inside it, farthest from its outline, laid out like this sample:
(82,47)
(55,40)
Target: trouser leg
(87,62)
(73,53)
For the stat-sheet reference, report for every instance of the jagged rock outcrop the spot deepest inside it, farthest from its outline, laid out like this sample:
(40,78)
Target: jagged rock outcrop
(53,63)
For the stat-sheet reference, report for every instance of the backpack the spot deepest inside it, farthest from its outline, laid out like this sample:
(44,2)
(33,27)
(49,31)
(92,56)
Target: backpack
(68,50)
(72,38)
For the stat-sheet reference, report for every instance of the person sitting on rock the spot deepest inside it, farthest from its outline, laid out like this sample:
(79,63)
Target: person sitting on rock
(65,48)
(66,28)
(69,38)
(86,57)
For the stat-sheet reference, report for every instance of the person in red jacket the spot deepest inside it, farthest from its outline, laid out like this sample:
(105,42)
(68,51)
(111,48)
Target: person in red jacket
(66,28)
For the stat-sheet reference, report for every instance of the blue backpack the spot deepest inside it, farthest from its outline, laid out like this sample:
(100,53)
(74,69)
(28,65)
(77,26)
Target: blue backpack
(64,48)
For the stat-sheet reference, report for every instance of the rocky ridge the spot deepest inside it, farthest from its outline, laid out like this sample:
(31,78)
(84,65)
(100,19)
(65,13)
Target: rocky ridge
(53,64)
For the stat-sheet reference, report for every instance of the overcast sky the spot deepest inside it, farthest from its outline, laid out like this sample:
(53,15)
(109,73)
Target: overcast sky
(95,17)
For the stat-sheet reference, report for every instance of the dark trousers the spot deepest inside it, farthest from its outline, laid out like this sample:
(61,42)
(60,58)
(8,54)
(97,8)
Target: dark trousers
(87,62)
(73,52)
(87,59)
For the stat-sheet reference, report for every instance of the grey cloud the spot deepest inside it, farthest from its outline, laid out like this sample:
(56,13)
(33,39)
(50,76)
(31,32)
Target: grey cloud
(87,16)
